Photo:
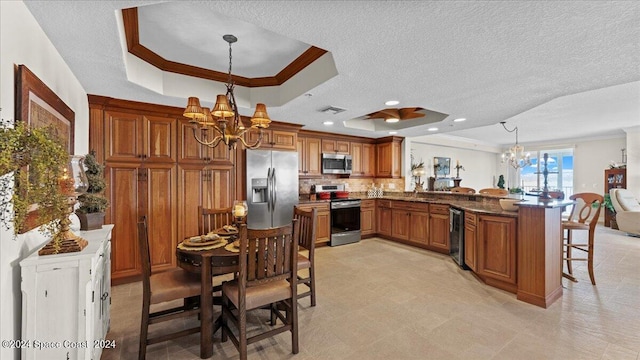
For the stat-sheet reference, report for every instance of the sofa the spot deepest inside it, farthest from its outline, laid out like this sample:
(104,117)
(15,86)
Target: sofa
(627,211)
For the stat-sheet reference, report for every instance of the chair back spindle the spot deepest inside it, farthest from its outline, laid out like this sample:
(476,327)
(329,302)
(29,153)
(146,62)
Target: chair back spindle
(212,219)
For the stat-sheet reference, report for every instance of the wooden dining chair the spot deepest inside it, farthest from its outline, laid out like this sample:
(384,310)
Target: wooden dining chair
(175,284)
(584,216)
(494,191)
(306,243)
(268,262)
(212,219)
(465,190)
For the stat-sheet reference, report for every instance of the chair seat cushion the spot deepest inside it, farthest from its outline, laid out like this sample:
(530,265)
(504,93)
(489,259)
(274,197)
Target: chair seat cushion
(574,225)
(258,296)
(174,284)
(303,262)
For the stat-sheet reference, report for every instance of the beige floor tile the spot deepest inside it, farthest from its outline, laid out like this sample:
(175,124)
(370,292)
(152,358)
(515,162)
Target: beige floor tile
(381,300)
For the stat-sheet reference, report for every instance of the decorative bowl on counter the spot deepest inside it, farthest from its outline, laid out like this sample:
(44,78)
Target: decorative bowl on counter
(509,204)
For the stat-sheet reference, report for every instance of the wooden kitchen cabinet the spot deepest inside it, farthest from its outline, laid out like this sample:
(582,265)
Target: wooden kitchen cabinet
(309,156)
(200,186)
(190,151)
(419,227)
(135,190)
(384,216)
(410,221)
(137,137)
(335,146)
(496,248)
(363,159)
(323,224)
(470,232)
(439,227)
(400,223)
(156,168)
(67,297)
(388,157)
(368,217)
(274,139)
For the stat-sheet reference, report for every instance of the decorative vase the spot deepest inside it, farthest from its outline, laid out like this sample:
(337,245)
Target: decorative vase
(91,221)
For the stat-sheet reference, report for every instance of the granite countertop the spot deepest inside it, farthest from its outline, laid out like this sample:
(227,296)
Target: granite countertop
(482,206)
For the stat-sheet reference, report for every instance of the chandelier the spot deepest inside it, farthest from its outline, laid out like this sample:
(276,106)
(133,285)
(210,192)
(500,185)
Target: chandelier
(224,118)
(515,156)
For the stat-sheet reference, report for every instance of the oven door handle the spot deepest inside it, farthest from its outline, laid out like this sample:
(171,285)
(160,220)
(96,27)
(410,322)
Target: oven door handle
(345,204)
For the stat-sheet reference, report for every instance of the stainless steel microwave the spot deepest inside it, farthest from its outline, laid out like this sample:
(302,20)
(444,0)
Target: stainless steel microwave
(336,164)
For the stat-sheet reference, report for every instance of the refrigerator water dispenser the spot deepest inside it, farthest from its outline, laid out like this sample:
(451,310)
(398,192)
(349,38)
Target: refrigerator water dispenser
(259,190)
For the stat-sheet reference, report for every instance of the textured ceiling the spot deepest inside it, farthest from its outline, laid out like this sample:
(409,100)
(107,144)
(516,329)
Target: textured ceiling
(557,70)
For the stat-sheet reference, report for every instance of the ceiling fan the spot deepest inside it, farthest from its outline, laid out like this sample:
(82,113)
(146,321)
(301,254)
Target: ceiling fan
(393,115)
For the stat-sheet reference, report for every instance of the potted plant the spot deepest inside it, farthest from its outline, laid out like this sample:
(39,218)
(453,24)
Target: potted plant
(36,189)
(608,206)
(92,203)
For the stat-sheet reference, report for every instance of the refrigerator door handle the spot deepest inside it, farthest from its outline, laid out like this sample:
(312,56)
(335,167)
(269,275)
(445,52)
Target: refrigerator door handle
(275,189)
(269,189)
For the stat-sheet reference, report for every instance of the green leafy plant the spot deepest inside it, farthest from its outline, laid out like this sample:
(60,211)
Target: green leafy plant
(608,204)
(93,201)
(516,190)
(36,188)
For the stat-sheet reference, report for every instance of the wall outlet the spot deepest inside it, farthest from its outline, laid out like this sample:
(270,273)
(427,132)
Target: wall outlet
(392,186)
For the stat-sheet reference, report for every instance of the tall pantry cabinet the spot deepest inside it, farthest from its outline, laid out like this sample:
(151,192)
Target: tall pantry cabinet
(154,168)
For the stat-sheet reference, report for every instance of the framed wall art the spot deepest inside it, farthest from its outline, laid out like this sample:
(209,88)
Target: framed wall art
(38,106)
(441,166)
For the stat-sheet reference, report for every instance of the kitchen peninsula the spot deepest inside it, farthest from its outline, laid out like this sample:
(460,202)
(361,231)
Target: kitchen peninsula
(519,252)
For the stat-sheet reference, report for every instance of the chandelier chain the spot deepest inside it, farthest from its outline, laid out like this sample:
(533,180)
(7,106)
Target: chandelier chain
(229,79)
(516,155)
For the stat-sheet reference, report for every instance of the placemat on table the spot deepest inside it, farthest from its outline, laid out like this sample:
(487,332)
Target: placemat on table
(230,247)
(221,243)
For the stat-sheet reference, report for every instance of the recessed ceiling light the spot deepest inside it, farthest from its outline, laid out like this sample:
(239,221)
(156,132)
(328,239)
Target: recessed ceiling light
(392,102)
(328,123)
(392,120)
(459,120)
(432,129)
(392,132)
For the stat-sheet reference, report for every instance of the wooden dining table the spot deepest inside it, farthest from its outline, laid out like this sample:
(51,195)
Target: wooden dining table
(207,263)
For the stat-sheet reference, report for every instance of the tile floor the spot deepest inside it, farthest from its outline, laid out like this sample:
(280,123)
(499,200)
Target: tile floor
(382,300)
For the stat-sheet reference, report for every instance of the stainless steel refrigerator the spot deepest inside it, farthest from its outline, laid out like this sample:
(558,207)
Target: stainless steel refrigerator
(272,187)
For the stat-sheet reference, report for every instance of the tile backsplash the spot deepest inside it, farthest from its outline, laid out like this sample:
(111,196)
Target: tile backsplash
(354,185)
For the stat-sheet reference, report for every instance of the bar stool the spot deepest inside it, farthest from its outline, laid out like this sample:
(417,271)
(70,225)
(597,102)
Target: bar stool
(584,216)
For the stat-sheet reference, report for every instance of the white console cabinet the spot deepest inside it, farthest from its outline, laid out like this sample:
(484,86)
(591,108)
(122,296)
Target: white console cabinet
(66,300)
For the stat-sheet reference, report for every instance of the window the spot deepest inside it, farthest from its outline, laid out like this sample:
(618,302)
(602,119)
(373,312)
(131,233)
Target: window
(559,167)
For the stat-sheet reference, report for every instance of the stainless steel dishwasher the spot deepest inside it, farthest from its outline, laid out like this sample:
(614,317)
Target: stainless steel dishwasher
(456,236)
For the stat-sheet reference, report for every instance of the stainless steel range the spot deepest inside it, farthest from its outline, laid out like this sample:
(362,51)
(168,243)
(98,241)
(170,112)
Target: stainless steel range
(345,215)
